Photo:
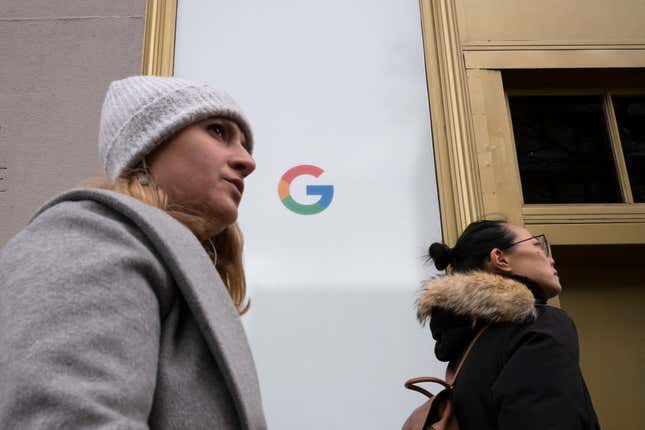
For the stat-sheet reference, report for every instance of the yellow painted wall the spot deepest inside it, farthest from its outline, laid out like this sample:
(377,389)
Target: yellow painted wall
(551,21)
(604,292)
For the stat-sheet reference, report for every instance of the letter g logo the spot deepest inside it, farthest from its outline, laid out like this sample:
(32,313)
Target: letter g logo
(326,192)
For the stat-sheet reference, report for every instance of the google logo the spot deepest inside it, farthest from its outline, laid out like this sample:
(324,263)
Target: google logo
(326,192)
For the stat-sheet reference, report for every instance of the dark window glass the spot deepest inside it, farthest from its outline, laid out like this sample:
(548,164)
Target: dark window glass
(630,116)
(563,149)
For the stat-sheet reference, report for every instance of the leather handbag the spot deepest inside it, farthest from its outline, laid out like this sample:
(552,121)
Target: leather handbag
(437,413)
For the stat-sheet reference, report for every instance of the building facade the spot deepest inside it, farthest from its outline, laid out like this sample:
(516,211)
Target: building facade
(537,113)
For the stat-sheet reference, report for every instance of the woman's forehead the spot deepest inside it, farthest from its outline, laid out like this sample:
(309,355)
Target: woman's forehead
(519,232)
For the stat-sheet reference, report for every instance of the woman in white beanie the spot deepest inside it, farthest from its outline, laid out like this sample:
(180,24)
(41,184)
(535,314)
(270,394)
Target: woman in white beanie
(120,304)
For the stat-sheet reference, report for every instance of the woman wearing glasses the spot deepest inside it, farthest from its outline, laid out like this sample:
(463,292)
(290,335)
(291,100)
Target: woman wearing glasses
(523,370)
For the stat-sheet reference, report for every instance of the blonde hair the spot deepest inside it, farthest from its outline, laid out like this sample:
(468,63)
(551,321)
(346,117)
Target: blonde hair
(225,248)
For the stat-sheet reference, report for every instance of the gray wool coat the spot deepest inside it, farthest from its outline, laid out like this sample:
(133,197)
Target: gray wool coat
(112,316)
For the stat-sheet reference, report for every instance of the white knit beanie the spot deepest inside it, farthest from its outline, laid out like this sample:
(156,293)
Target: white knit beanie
(141,112)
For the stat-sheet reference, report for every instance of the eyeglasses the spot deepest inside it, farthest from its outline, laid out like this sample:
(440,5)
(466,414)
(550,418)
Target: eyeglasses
(544,244)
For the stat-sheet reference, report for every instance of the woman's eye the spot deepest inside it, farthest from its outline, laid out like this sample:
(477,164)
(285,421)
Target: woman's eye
(218,130)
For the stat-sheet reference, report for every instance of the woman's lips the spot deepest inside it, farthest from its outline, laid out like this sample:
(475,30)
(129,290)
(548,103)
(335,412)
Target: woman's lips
(237,183)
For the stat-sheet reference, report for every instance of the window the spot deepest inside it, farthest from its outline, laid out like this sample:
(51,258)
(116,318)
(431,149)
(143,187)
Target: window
(579,135)
(630,117)
(564,150)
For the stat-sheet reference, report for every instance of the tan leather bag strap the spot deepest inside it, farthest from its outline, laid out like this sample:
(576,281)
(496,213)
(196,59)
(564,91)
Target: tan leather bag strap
(410,384)
(452,376)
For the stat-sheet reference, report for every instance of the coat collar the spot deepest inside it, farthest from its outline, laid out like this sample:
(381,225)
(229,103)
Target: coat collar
(479,295)
(203,290)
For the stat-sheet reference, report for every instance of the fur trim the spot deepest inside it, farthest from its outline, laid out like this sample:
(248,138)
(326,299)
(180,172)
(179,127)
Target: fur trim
(479,295)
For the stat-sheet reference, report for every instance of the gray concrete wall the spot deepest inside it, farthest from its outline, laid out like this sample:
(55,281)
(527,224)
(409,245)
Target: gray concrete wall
(57,58)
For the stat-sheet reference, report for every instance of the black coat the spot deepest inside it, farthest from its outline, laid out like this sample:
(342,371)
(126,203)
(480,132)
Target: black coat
(523,373)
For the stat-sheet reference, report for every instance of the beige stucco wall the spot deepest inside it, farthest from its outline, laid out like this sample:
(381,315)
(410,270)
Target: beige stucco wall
(58,56)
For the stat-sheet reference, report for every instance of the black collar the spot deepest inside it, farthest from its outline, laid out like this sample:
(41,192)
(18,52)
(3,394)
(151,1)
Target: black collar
(532,286)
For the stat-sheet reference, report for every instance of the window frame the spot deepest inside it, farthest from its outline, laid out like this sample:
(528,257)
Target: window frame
(612,128)
(587,223)
(476,174)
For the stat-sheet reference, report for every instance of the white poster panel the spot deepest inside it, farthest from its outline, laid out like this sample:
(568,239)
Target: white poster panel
(343,204)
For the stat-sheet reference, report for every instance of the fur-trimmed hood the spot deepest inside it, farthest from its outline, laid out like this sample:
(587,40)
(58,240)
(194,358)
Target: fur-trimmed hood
(479,295)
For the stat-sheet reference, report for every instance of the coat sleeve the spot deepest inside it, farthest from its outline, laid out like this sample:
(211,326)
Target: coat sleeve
(80,318)
(541,386)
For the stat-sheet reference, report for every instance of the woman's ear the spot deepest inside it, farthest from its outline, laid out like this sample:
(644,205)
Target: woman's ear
(498,261)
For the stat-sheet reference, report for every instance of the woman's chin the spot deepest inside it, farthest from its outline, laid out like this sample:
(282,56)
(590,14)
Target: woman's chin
(218,225)
(553,290)
(227,219)
(222,217)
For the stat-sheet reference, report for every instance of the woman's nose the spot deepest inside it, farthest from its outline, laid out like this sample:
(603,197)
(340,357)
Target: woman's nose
(243,162)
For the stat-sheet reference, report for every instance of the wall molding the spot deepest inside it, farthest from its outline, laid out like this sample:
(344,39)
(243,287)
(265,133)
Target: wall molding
(460,194)
(554,59)
(158,56)
(556,45)
(584,213)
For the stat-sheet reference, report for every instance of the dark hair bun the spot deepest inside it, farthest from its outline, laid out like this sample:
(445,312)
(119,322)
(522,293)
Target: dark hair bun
(441,254)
